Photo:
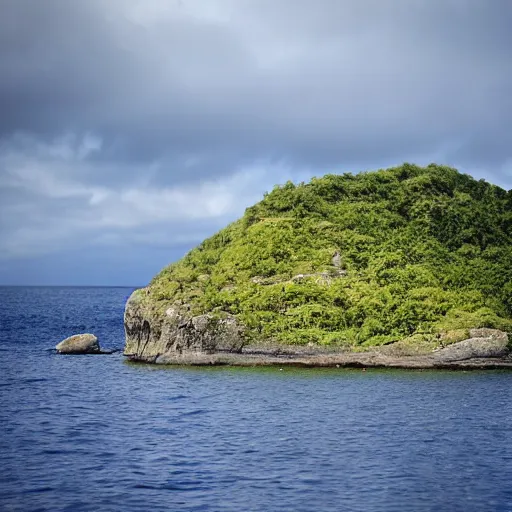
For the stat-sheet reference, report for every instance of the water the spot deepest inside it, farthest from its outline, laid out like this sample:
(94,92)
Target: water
(94,433)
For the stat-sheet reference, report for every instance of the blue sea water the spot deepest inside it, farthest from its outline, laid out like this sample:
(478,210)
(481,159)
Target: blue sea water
(95,433)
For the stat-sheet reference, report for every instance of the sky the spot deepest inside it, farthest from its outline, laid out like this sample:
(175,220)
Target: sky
(130,130)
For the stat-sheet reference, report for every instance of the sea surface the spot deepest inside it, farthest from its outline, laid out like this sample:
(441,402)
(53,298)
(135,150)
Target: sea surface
(96,433)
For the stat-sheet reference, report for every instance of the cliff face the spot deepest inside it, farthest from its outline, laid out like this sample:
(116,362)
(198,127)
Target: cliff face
(176,334)
(411,257)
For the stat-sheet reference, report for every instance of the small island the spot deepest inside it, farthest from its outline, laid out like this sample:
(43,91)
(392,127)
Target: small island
(405,267)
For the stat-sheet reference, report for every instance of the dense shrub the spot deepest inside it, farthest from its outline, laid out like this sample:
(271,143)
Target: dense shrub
(423,250)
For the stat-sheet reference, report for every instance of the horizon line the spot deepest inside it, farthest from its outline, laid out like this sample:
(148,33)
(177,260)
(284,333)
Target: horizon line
(70,286)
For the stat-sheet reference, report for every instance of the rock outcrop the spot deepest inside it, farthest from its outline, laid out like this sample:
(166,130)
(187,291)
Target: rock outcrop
(177,337)
(482,344)
(79,344)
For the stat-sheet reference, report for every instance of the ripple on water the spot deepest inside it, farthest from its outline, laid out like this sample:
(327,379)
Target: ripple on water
(86,434)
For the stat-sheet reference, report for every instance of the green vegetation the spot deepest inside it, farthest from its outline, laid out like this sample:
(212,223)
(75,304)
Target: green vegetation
(423,252)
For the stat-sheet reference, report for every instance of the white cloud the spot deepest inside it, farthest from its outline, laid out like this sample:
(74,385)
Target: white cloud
(54,207)
(48,205)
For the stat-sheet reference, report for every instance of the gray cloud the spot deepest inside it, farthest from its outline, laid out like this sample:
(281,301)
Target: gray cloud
(110,105)
(311,81)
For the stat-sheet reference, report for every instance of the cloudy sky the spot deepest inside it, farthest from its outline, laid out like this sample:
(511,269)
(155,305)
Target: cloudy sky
(132,129)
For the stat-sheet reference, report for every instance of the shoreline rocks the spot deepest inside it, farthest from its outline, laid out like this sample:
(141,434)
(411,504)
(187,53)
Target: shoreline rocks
(340,360)
(176,337)
(176,331)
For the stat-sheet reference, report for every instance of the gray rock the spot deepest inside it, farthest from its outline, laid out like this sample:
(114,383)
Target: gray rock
(175,332)
(79,344)
(484,343)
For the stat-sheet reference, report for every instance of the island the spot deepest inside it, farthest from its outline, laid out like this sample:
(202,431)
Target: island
(403,267)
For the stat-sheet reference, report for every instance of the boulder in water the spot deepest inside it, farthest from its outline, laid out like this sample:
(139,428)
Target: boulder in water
(79,344)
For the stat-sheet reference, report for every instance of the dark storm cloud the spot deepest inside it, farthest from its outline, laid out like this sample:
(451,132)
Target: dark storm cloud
(132,115)
(318,83)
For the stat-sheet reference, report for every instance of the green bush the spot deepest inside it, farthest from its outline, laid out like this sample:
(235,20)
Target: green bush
(423,250)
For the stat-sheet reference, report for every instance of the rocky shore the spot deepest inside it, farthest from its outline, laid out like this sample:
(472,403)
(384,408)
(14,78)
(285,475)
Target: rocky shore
(177,338)
(340,360)
(375,359)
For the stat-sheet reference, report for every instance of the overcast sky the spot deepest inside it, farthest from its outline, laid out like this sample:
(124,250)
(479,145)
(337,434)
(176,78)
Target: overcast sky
(132,129)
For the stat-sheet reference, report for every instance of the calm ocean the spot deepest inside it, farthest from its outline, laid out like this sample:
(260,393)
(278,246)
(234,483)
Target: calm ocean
(95,433)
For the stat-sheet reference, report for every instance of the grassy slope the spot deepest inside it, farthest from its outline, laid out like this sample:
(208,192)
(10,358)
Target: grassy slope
(426,251)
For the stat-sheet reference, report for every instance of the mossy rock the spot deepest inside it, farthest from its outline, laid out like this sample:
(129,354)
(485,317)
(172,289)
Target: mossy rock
(79,344)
